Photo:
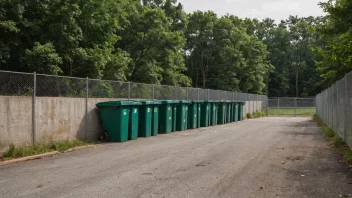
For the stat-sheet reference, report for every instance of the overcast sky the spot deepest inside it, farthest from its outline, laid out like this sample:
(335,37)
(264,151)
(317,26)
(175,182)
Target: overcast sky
(275,9)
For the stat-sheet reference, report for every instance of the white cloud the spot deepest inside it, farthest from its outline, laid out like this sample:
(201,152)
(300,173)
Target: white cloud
(275,9)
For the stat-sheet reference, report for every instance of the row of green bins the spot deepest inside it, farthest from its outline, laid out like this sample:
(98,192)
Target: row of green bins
(120,119)
(127,120)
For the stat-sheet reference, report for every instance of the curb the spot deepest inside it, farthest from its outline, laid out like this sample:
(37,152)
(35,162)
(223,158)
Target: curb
(40,156)
(22,159)
(80,148)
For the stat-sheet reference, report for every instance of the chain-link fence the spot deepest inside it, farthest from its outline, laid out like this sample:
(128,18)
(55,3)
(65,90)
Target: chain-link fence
(49,104)
(334,107)
(291,106)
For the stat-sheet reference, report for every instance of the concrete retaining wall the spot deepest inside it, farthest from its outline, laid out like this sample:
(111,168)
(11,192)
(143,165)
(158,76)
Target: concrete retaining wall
(57,118)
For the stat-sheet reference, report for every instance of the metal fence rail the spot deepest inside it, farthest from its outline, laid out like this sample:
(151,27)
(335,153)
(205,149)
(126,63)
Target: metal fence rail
(291,106)
(40,85)
(334,107)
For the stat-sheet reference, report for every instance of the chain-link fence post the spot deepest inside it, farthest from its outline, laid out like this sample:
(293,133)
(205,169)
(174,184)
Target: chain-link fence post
(153,92)
(295,107)
(175,92)
(34,108)
(208,94)
(187,92)
(129,90)
(336,108)
(198,92)
(346,109)
(87,95)
(267,106)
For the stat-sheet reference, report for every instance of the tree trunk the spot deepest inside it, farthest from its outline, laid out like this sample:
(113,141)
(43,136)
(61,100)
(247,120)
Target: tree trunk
(204,78)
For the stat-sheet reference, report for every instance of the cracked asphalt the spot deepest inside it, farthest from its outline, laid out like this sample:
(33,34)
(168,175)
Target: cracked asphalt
(266,157)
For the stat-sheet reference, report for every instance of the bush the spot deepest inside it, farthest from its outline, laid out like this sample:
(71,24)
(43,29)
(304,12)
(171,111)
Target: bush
(328,132)
(347,156)
(249,115)
(338,141)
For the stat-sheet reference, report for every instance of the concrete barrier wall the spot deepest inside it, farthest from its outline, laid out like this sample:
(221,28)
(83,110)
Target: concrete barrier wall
(15,120)
(252,107)
(57,118)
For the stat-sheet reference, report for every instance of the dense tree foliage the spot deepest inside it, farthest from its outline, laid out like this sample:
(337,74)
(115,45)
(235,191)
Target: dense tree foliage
(336,35)
(155,41)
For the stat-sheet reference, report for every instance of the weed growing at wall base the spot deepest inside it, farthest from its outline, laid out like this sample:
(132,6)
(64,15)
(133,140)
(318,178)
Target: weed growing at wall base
(24,151)
(257,114)
(337,141)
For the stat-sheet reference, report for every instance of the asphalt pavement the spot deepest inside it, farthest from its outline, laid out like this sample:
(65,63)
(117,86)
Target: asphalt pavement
(266,157)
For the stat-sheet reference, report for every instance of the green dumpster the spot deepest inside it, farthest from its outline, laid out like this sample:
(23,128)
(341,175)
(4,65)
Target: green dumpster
(233,105)
(174,115)
(166,116)
(205,113)
(120,119)
(229,108)
(182,115)
(193,115)
(199,113)
(221,112)
(240,111)
(235,111)
(213,113)
(155,118)
(145,119)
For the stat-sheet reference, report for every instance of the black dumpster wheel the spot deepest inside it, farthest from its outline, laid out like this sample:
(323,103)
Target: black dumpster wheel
(104,136)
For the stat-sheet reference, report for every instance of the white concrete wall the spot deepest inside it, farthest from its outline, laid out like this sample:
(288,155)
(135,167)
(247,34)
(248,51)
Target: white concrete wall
(56,119)
(252,107)
(15,120)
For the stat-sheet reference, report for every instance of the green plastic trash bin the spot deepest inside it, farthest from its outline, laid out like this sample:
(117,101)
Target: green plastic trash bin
(221,112)
(174,115)
(145,119)
(229,108)
(120,119)
(200,103)
(233,103)
(167,116)
(213,113)
(193,115)
(205,113)
(240,111)
(235,111)
(182,115)
(155,118)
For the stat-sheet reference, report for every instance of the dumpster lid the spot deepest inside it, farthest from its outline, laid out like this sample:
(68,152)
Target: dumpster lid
(196,101)
(168,101)
(117,103)
(156,102)
(185,101)
(146,102)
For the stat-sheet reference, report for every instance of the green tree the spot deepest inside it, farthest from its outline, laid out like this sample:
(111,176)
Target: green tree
(336,55)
